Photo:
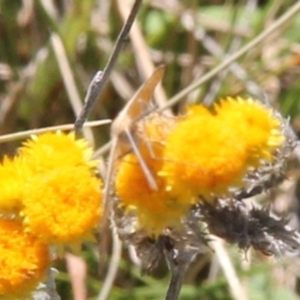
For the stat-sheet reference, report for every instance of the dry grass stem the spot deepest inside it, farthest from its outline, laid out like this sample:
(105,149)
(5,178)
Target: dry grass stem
(69,81)
(282,21)
(24,134)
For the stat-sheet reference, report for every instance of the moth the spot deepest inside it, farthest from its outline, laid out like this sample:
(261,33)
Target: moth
(123,136)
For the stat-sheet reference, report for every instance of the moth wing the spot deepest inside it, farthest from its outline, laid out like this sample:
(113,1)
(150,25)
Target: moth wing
(137,105)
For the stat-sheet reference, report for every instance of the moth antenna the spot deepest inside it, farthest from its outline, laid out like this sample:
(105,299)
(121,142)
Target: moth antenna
(109,171)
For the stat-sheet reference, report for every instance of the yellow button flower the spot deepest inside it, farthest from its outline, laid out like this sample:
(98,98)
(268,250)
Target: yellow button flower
(255,123)
(155,209)
(23,260)
(56,149)
(13,176)
(203,155)
(63,205)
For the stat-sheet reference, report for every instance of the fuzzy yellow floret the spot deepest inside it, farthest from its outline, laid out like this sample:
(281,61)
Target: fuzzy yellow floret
(255,124)
(203,155)
(23,260)
(56,149)
(63,205)
(13,176)
(159,208)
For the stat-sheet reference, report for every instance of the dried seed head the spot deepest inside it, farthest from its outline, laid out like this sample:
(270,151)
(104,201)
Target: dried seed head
(178,245)
(234,222)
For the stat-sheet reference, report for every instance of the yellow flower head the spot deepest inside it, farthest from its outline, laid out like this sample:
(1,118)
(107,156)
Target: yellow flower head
(155,209)
(202,155)
(63,205)
(56,149)
(255,123)
(24,260)
(13,176)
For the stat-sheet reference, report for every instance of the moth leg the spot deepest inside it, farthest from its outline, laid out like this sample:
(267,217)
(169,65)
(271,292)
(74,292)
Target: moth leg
(149,176)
